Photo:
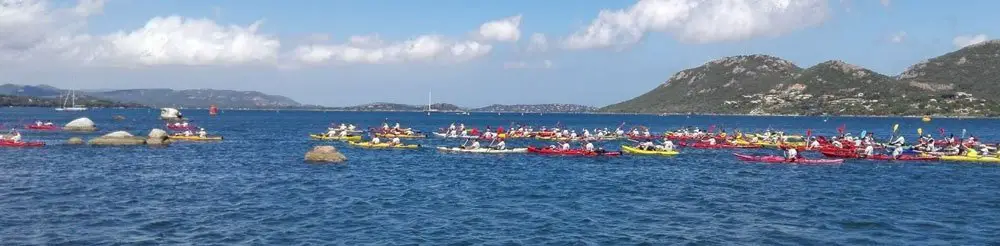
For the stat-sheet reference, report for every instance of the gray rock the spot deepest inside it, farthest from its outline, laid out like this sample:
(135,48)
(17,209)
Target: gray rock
(158,133)
(118,118)
(117,139)
(81,125)
(325,154)
(74,141)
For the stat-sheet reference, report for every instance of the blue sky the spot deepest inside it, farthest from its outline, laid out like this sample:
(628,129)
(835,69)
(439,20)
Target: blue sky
(301,49)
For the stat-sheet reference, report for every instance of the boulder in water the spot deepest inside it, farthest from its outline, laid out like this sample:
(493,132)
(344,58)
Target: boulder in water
(325,154)
(74,141)
(157,137)
(80,125)
(118,118)
(117,138)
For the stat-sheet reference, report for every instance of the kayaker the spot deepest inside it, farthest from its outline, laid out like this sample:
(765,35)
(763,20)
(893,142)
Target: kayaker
(898,151)
(899,141)
(202,133)
(970,152)
(376,140)
(330,132)
(722,134)
(869,150)
(814,144)
(451,127)
(395,141)
(343,134)
(501,145)
(572,134)
(564,146)
(589,146)
(586,133)
(188,133)
(385,126)
(49,123)
(710,141)
(619,132)
(837,143)
(15,136)
(474,145)
(984,150)
(38,123)
(351,127)
(647,145)
(791,154)
(668,145)
(396,127)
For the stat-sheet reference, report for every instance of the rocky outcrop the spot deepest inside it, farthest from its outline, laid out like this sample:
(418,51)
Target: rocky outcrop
(119,138)
(118,118)
(157,137)
(325,154)
(80,125)
(74,141)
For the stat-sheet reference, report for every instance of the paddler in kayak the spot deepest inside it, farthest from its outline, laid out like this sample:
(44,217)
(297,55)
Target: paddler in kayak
(588,146)
(395,141)
(330,132)
(563,145)
(897,151)
(188,133)
(791,154)
(15,136)
(869,150)
(376,140)
(202,133)
(451,127)
(710,141)
(646,145)
(899,141)
(474,145)
(814,144)
(501,145)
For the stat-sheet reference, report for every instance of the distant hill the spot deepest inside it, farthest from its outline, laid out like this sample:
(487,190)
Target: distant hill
(536,108)
(26,101)
(200,98)
(964,82)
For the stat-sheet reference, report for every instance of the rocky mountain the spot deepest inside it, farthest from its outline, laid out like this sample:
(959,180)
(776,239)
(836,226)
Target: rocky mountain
(964,82)
(28,101)
(200,98)
(536,108)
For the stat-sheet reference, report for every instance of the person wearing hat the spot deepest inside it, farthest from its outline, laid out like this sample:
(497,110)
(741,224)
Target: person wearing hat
(202,133)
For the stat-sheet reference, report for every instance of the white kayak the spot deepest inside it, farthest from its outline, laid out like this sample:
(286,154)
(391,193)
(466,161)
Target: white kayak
(484,150)
(445,135)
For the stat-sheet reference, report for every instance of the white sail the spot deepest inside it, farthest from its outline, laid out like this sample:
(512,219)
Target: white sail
(69,103)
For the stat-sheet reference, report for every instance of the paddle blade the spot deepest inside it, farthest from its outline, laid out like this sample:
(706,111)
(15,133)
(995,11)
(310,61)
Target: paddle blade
(895,127)
(920,131)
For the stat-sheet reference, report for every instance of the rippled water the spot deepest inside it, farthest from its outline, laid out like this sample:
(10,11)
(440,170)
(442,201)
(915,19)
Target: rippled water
(254,188)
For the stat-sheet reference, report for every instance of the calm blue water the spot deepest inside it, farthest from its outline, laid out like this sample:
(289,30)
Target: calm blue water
(254,188)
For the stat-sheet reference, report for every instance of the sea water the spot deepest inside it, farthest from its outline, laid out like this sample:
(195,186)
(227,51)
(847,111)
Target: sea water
(254,188)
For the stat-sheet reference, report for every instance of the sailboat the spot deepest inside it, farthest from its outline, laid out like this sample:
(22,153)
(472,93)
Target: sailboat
(70,100)
(429,109)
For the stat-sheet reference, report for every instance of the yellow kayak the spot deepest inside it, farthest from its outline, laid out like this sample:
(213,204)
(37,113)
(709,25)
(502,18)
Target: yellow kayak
(384,145)
(633,150)
(390,135)
(969,158)
(324,137)
(197,138)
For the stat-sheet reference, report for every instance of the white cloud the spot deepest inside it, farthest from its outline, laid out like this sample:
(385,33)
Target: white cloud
(31,29)
(963,41)
(527,65)
(885,2)
(898,37)
(176,40)
(698,21)
(539,43)
(503,30)
(372,50)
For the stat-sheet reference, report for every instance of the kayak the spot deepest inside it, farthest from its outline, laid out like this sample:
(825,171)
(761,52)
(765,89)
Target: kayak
(484,150)
(969,158)
(9,143)
(578,152)
(879,157)
(701,145)
(196,138)
(42,127)
(384,145)
(781,159)
(390,135)
(345,138)
(180,128)
(633,150)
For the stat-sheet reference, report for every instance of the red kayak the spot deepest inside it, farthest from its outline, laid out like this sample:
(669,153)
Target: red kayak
(9,143)
(180,128)
(703,145)
(846,153)
(579,152)
(42,127)
(781,159)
